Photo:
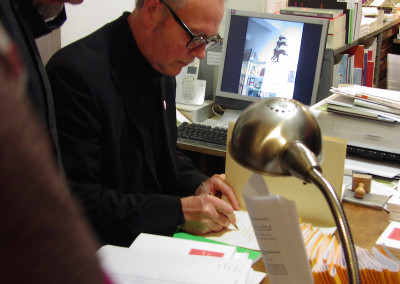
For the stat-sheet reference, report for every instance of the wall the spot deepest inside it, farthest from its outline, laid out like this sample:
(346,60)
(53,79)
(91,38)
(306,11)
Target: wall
(82,20)
(91,15)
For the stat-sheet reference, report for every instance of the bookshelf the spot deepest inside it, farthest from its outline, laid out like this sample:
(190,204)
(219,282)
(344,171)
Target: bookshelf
(251,78)
(384,36)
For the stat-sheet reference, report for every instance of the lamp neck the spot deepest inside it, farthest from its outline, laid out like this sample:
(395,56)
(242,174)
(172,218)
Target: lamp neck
(299,161)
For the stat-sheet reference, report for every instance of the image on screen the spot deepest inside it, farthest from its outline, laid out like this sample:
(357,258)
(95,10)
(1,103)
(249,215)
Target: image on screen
(270,55)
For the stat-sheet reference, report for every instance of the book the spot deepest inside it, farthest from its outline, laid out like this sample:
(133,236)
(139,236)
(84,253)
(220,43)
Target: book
(337,24)
(357,19)
(328,4)
(312,12)
(342,69)
(364,79)
(369,77)
(335,75)
(357,76)
(350,69)
(336,40)
(323,4)
(358,52)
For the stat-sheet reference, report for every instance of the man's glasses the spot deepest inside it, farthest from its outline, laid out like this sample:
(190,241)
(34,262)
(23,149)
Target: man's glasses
(195,41)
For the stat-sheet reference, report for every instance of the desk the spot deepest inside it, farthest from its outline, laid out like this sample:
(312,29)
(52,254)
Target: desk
(366,225)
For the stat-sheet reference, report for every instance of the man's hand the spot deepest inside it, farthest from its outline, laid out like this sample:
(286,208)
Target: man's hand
(205,213)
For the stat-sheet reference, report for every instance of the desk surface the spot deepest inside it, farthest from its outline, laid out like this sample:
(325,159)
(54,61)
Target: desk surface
(366,225)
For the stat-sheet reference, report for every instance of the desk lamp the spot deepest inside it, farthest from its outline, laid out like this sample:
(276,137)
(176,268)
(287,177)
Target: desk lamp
(278,136)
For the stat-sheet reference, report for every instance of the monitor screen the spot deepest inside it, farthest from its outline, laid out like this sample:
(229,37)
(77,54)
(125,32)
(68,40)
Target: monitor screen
(270,55)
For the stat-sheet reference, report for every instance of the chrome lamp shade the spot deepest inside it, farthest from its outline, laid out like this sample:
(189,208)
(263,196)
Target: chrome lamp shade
(278,136)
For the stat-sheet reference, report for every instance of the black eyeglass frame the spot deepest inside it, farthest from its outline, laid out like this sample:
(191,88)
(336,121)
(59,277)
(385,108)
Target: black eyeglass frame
(195,41)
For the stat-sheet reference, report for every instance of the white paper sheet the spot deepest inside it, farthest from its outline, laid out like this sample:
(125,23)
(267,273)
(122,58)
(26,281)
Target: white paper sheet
(277,229)
(127,266)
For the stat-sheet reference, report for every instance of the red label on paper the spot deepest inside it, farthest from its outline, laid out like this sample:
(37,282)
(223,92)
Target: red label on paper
(206,253)
(395,234)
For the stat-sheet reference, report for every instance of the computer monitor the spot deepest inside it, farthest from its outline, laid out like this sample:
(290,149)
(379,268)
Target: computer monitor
(270,55)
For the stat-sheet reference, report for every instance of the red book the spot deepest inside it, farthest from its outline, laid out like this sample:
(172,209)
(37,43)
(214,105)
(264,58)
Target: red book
(370,73)
(358,52)
(370,53)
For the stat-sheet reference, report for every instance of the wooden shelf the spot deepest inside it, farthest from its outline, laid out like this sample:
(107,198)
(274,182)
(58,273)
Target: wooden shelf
(385,27)
(386,36)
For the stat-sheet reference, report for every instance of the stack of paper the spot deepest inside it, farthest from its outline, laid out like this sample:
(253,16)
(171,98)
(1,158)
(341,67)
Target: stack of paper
(373,103)
(161,259)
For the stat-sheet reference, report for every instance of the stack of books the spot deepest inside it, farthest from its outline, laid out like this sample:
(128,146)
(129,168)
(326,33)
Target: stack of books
(353,13)
(312,12)
(371,103)
(336,32)
(372,19)
(356,65)
(337,22)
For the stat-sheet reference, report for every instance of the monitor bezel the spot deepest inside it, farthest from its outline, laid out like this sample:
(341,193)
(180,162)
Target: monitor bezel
(236,101)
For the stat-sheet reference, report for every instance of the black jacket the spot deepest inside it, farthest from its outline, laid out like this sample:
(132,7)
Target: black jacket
(24,24)
(117,129)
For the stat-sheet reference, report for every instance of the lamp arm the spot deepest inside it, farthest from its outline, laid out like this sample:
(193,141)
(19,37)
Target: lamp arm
(316,177)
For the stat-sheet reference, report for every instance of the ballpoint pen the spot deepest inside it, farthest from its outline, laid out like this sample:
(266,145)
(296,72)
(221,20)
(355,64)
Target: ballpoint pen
(209,192)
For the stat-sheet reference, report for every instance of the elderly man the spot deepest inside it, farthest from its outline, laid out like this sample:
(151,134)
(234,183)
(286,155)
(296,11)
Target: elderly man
(114,94)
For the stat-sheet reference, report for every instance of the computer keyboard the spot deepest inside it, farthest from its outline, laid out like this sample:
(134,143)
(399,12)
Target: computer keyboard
(204,134)
(373,154)
(209,136)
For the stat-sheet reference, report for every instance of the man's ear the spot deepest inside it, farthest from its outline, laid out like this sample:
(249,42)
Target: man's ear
(151,12)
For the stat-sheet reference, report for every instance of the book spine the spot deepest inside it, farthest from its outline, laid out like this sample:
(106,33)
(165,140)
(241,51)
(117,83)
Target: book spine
(365,72)
(309,14)
(370,74)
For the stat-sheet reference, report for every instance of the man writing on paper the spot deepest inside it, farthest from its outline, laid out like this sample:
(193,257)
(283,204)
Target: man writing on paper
(114,94)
